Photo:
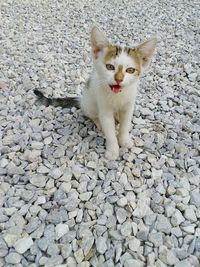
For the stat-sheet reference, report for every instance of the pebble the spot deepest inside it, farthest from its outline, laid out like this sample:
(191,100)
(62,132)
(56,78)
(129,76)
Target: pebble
(126,228)
(66,187)
(141,210)
(132,262)
(61,229)
(184,263)
(177,218)
(195,198)
(168,257)
(101,244)
(121,215)
(190,215)
(163,224)
(3,248)
(156,238)
(38,180)
(85,196)
(23,244)
(122,202)
(13,258)
(134,244)
(16,170)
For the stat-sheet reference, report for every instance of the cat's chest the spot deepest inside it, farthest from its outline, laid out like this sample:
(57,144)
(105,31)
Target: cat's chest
(120,100)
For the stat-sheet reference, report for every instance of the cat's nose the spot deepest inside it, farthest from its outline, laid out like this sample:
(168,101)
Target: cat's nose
(118,81)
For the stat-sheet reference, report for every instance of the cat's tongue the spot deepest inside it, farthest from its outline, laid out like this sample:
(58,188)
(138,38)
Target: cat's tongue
(116,88)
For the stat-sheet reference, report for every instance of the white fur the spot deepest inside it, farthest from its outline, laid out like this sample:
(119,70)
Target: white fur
(101,104)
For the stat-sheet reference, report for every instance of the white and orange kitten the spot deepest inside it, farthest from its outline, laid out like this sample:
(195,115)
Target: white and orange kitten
(111,89)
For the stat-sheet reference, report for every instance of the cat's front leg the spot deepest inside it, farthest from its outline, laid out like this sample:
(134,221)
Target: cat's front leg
(108,127)
(125,124)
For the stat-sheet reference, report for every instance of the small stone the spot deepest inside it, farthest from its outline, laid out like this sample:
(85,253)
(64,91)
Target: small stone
(168,257)
(122,202)
(79,255)
(41,200)
(134,244)
(66,187)
(163,224)
(176,231)
(37,145)
(77,171)
(169,210)
(48,140)
(184,263)
(190,229)
(101,245)
(53,249)
(156,174)
(43,243)
(84,264)
(177,218)
(156,239)
(54,261)
(171,190)
(85,196)
(126,228)
(195,198)
(38,180)
(92,165)
(66,250)
(61,229)
(55,173)
(43,169)
(133,263)
(23,244)
(168,176)
(121,215)
(190,215)
(79,216)
(72,214)
(142,209)
(3,163)
(16,170)
(13,258)
(33,156)
(71,203)
(150,219)
(10,239)
(3,248)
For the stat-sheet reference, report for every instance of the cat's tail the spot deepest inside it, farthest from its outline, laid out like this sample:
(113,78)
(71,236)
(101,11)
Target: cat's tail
(66,102)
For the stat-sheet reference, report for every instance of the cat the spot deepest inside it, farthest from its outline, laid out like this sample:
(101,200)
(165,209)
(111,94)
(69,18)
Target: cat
(111,90)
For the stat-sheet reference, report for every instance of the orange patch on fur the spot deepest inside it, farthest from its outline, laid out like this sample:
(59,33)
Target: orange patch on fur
(119,75)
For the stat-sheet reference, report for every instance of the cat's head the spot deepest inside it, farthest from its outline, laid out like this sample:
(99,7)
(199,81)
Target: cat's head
(119,67)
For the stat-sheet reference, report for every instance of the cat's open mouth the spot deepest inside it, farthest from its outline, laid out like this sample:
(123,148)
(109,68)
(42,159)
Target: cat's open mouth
(116,88)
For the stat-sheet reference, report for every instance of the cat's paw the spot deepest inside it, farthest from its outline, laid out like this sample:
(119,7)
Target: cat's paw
(112,153)
(125,142)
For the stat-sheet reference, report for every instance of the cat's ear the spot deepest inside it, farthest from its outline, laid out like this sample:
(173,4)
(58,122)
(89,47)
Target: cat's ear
(146,50)
(98,41)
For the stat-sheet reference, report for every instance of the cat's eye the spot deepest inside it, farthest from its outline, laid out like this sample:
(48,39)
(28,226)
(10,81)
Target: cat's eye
(110,67)
(130,70)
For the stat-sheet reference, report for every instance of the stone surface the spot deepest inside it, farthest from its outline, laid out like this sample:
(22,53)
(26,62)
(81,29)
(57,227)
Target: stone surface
(13,258)
(101,245)
(168,257)
(23,244)
(61,229)
(38,180)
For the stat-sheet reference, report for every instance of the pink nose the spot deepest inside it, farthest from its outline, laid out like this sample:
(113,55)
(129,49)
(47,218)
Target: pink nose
(118,81)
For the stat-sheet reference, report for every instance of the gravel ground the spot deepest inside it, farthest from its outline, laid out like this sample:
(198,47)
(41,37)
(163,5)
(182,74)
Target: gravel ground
(61,202)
